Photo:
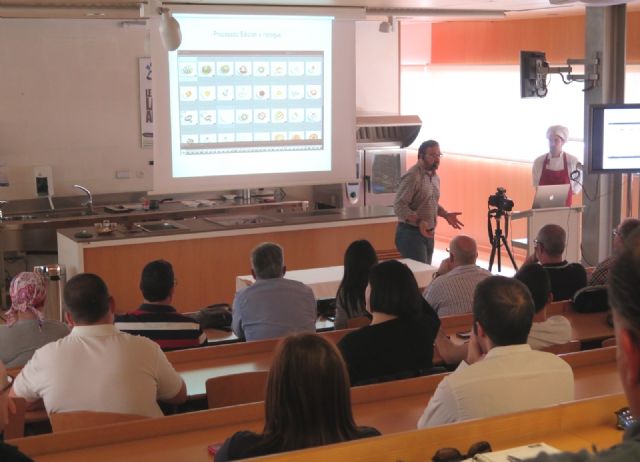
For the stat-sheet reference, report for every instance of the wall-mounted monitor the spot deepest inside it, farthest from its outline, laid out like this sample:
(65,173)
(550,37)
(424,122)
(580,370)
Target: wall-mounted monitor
(533,74)
(614,145)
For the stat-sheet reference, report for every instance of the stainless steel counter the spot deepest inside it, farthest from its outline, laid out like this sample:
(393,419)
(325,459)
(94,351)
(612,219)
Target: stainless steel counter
(238,219)
(36,231)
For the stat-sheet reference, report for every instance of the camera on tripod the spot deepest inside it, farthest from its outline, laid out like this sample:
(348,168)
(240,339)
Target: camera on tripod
(500,200)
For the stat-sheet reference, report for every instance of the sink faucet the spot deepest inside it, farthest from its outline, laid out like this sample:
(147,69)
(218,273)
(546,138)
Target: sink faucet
(2,203)
(89,203)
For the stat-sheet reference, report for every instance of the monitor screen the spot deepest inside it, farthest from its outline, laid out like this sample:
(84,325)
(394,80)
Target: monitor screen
(615,138)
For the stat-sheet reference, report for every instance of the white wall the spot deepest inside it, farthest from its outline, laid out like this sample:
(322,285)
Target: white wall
(377,70)
(69,99)
(69,93)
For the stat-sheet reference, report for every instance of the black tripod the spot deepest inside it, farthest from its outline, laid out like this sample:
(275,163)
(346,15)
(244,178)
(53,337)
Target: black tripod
(498,239)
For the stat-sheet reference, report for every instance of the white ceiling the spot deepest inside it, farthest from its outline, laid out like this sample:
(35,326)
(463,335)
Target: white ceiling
(426,9)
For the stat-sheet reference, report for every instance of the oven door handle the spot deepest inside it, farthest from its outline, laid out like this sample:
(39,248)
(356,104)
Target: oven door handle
(367,183)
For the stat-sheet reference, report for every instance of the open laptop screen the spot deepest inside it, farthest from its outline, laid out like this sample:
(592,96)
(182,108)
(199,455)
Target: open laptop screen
(550,196)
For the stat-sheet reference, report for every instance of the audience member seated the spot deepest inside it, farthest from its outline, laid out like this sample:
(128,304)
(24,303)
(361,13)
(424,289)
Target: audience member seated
(97,367)
(26,329)
(156,318)
(620,235)
(7,453)
(545,331)
(624,298)
(358,260)
(451,291)
(273,306)
(307,402)
(502,373)
(566,278)
(399,341)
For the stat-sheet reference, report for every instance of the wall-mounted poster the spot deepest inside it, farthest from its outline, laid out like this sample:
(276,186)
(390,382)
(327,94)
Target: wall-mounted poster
(146,103)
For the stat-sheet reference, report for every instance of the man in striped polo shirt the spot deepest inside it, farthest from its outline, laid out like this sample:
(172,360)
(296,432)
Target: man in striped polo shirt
(451,291)
(156,318)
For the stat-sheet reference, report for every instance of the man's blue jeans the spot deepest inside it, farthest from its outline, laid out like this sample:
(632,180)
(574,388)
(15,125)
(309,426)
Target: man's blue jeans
(411,244)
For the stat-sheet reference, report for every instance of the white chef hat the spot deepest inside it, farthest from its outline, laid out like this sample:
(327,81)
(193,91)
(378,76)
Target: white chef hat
(559,130)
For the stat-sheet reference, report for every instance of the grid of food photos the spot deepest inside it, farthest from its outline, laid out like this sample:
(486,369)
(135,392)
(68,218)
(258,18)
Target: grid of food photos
(250,98)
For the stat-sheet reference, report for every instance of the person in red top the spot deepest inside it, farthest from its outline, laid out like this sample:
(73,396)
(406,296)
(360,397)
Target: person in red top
(557,166)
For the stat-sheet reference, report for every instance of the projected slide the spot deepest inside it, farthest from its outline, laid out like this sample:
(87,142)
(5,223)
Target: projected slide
(251,94)
(621,139)
(250,101)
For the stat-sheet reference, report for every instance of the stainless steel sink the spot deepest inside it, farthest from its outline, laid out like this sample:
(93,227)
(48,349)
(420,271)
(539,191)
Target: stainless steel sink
(316,213)
(19,218)
(49,215)
(156,226)
(242,220)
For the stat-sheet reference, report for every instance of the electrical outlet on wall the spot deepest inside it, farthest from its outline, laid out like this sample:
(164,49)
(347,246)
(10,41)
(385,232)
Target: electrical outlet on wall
(44,180)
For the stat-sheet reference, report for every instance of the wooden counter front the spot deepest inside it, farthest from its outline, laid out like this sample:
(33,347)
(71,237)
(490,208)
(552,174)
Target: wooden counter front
(206,264)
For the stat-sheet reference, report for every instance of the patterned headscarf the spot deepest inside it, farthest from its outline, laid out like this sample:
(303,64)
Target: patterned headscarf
(28,292)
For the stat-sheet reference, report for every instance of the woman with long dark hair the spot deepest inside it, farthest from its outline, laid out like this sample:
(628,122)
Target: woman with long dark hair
(399,341)
(359,257)
(307,402)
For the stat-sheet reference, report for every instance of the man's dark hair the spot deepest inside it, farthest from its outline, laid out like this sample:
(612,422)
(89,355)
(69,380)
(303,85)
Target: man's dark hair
(624,283)
(157,280)
(504,308)
(86,297)
(422,150)
(535,277)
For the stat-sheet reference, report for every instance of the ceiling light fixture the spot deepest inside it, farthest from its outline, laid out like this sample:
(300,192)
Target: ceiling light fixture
(169,30)
(387,26)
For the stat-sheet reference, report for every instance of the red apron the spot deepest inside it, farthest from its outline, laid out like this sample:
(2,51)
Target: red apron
(556,177)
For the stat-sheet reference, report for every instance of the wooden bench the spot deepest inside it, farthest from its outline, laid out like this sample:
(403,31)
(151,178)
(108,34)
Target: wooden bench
(196,365)
(391,407)
(570,426)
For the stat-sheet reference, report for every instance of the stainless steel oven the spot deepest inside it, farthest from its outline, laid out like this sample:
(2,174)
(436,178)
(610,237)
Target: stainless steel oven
(380,163)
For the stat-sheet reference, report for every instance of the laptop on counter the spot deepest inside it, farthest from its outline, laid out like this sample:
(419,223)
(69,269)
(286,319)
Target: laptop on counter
(550,196)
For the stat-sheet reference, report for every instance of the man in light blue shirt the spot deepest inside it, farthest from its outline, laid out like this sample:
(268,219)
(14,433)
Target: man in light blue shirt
(272,306)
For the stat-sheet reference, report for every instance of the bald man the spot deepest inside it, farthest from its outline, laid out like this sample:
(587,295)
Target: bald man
(566,278)
(451,291)
(7,453)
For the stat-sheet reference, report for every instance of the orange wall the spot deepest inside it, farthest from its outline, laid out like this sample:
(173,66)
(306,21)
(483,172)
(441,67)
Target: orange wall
(466,184)
(500,42)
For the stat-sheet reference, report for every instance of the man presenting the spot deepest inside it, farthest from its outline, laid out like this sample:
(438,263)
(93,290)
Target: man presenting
(558,167)
(416,205)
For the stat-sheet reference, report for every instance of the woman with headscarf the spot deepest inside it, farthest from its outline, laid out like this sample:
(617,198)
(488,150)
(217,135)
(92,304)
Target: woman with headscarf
(557,166)
(26,329)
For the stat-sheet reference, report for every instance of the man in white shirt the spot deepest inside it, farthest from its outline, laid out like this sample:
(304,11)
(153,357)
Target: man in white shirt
(451,291)
(97,367)
(502,374)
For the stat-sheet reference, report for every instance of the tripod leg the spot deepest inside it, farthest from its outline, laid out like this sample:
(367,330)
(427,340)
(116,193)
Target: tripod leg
(493,252)
(506,246)
(499,238)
